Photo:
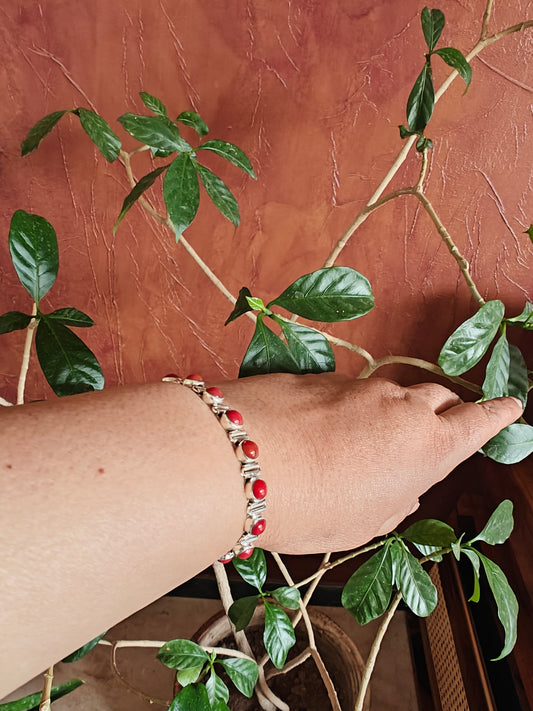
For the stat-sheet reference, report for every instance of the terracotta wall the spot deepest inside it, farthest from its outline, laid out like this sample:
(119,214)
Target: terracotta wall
(313,92)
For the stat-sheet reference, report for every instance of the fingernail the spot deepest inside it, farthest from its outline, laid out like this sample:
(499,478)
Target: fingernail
(518,402)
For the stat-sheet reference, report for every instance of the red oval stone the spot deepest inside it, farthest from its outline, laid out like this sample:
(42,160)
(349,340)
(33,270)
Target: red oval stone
(195,376)
(245,554)
(225,562)
(234,417)
(215,392)
(250,449)
(259,489)
(259,527)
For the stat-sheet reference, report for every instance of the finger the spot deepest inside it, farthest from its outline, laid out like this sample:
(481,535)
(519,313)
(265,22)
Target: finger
(437,396)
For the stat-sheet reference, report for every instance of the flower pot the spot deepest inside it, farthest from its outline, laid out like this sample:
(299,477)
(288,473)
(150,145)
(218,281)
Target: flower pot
(302,687)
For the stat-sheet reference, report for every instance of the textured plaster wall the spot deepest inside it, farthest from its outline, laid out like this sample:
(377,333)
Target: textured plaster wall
(313,92)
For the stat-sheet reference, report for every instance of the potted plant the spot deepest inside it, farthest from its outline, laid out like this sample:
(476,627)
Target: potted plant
(280,343)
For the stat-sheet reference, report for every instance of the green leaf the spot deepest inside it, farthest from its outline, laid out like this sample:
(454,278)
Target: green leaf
(529,232)
(368,592)
(329,294)
(414,583)
(455,59)
(182,654)
(472,556)
(31,702)
(144,183)
(82,651)
(34,252)
(288,597)
(220,706)
(432,26)
(242,610)
(429,551)
(405,132)
(525,319)
(70,316)
(279,635)
(69,366)
(39,131)
(191,698)
(430,532)
(470,341)
(242,305)
(194,120)
(421,101)
(499,526)
(310,349)
(153,103)
(181,193)
(518,383)
(266,353)
(243,673)
(100,133)
(13,321)
(253,570)
(511,445)
(216,689)
(497,373)
(256,304)
(424,143)
(506,602)
(189,675)
(155,131)
(231,153)
(219,193)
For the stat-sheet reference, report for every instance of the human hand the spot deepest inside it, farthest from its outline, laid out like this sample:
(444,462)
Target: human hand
(346,460)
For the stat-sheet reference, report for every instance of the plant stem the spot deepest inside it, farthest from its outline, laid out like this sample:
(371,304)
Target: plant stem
(47,688)
(26,357)
(325,567)
(130,687)
(376,644)
(157,644)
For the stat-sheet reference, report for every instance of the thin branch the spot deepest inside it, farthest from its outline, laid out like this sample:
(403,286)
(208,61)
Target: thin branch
(157,644)
(485,22)
(5,403)
(47,688)
(26,357)
(376,644)
(130,687)
(289,666)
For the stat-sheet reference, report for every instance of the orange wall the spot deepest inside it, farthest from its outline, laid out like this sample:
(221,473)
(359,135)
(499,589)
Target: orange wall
(313,92)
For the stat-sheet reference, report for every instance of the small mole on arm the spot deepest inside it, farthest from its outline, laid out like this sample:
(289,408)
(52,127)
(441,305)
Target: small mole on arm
(101,470)
(9,466)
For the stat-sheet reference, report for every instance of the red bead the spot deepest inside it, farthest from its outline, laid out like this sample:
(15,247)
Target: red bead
(245,554)
(259,489)
(234,417)
(250,449)
(195,376)
(215,392)
(225,561)
(259,527)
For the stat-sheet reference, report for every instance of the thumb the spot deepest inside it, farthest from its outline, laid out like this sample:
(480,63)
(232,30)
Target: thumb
(474,424)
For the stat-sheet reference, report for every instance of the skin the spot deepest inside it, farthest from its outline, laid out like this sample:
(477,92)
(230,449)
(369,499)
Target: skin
(111,499)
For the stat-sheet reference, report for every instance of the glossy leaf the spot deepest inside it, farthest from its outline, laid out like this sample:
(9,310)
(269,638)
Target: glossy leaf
(231,153)
(155,131)
(31,702)
(266,353)
(455,59)
(14,321)
(220,706)
(368,592)
(524,319)
(241,305)
(189,675)
(71,317)
(405,132)
(430,532)
(470,341)
(256,304)
(143,184)
(430,551)
(496,383)
(69,366)
(474,560)
(529,232)
(181,193)
(432,26)
(289,597)
(243,673)
(153,103)
(499,526)
(242,610)
(182,654)
(82,651)
(511,445)
(216,689)
(253,570)
(39,131)
(100,133)
(421,101)
(329,294)
(417,588)
(506,602)
(219,193)
(194,120)
(279,635)
(34,252)
(191,698)
(310,349)
(423,144)
(518,383)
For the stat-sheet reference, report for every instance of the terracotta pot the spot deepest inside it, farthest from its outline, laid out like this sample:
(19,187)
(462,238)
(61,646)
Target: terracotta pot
(339,653)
